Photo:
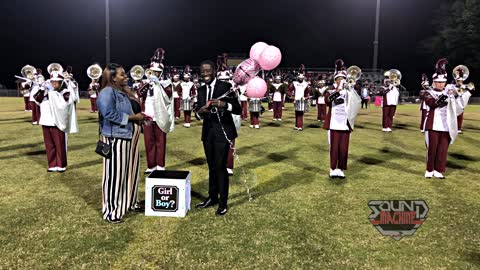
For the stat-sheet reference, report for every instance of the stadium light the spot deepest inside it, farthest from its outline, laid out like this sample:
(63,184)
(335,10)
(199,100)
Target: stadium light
(107,32)
(375,42)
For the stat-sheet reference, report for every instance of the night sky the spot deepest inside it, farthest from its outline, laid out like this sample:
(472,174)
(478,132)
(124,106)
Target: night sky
(311,32)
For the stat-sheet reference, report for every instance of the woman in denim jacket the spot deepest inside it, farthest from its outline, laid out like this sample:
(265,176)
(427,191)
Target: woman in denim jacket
(116,122)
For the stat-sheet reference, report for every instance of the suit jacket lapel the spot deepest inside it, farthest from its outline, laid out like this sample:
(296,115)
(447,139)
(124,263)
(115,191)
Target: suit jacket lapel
(215,90)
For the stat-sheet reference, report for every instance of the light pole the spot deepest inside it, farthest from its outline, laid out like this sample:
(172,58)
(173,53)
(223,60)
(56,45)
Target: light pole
(107,32)
(375,42)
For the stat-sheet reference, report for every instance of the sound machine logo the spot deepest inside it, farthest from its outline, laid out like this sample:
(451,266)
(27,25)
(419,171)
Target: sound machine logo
(397,218)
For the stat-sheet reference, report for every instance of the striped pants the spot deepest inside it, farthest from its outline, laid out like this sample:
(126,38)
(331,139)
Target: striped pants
(133,168)
(114,181)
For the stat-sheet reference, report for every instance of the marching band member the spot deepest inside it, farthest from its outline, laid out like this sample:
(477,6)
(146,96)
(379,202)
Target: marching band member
(177,90)
(189,92)
(25,88)
(243,101)
(423,105)
(94,72)
(343,104)
(460,74)
(36,112)
(71,83)
(158,107)
(441,124)
(196,82)
(321,106)
(390,95)
(279,89)
(31,76)
(269,94)
(56,102)
(286,81)
(255,106)
(93,88)
(365,96)
(300,91)
(133,175)
(137,73)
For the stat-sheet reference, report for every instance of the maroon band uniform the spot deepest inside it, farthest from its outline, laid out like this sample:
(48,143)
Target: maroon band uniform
(423,105)
(279,89)
(54,135)
(299,90)
(188,94)
(92,92)
(439,132)
(342,102)
(390,95)
(155,139)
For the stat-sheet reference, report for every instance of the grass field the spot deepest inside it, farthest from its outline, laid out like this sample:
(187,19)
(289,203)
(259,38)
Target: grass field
(298,217)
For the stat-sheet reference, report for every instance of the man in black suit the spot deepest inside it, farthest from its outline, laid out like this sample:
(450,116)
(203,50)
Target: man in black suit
(216,140)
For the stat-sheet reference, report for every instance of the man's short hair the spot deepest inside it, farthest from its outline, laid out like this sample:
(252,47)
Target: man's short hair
(208,62)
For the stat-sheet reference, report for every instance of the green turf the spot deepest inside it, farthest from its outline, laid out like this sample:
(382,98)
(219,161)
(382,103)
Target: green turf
(298,217)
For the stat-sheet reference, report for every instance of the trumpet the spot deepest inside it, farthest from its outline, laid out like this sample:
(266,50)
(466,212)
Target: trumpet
(148,72)
(470,86)
(137,72)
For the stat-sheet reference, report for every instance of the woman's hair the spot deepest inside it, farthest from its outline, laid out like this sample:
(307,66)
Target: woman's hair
(107,80)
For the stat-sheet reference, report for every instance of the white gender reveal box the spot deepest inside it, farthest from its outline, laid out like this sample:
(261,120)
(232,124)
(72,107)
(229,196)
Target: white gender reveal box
(167,193)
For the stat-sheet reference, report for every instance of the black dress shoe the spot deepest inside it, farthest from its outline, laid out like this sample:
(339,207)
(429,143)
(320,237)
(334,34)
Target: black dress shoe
(138,208)
(207,203)
(114,221)
(221,211)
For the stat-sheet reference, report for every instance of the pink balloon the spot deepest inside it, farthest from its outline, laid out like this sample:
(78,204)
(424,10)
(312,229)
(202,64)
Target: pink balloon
(256,88)
(270,58)
(245,71)
(257,49)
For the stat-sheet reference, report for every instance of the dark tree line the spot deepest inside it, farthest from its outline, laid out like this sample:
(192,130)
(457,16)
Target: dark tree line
(456,36)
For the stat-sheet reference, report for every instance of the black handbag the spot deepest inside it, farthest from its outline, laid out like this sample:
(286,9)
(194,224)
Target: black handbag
(103,149)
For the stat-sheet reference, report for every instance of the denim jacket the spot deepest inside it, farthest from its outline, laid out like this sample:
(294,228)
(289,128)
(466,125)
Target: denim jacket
(114,107)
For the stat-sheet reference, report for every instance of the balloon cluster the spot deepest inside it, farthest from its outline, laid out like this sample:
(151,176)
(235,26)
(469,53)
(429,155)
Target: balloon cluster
(262,56)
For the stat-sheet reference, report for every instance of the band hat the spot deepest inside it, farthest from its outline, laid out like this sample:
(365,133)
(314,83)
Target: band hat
(340,70)
(186,72)
(156,60)
(440,74)
(223,75)
(56,76)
